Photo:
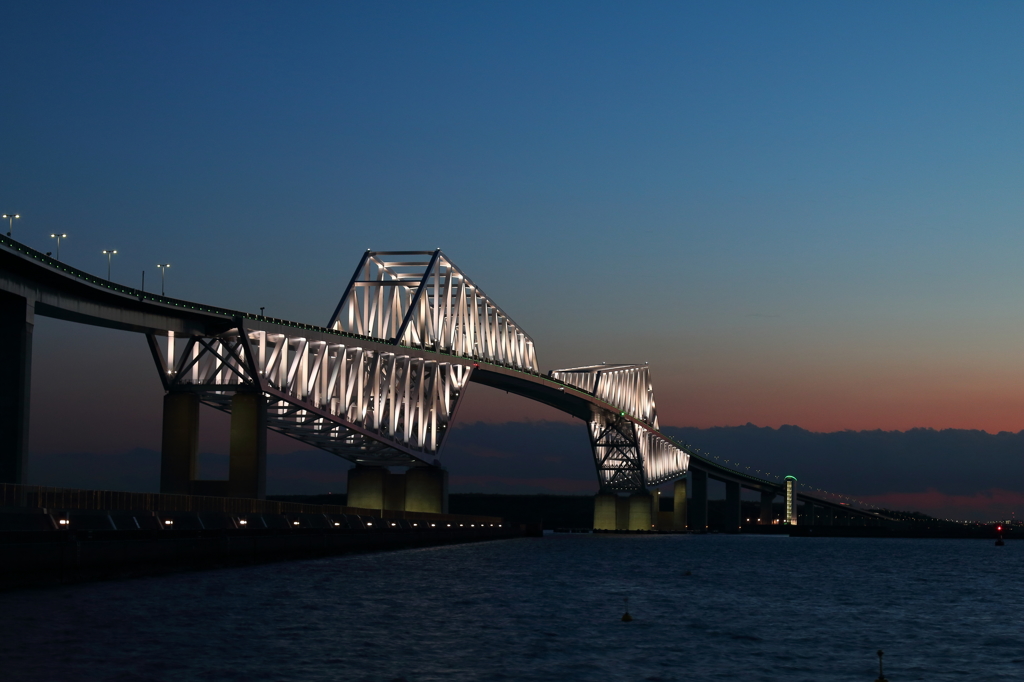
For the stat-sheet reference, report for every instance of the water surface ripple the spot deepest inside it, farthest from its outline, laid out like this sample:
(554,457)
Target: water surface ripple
(753,608)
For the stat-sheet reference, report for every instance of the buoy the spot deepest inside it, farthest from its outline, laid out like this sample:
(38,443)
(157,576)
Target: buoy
(626,617)
(1000,543)
(881,676)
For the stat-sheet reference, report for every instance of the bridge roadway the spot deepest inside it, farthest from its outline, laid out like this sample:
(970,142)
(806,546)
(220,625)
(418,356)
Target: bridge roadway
(32,283)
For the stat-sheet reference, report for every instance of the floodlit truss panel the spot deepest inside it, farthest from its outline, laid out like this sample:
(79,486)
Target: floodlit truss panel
(630,455)
(364,405)
(663,461)
(627,387)
(420,299)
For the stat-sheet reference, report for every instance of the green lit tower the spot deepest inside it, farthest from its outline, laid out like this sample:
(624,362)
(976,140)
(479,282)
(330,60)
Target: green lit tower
(790,518)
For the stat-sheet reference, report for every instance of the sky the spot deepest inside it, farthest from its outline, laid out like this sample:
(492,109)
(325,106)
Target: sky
(798,213)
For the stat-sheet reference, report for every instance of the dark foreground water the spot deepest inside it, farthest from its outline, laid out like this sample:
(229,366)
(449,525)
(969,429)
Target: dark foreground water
(753,608)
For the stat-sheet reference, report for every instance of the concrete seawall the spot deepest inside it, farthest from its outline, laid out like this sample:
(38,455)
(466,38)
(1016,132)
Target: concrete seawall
(36,558)
(52,536)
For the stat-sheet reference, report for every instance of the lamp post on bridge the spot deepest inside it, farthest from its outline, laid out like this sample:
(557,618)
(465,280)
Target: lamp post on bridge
(109,253)
(163,270)
(58,237)
(10,217)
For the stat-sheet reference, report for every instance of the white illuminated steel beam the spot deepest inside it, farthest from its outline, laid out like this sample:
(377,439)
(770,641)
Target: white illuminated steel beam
(420,299)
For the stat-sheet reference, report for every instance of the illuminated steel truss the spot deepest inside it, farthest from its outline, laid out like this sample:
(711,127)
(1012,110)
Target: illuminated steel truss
(629,452)
(368,406)
(627,387)
(382,384)
(420,299)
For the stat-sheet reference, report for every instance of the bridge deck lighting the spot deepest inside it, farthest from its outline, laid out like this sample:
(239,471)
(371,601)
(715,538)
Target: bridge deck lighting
(336,523)
(58,237)
(295,523)
(63,522)
(163,272)
(10,217)
(242,522)
(168,522)
(369,523)
(109,253)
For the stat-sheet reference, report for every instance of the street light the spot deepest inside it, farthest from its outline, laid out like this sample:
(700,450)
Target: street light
(58,237)
(109,253)
(10,218)
(163,270)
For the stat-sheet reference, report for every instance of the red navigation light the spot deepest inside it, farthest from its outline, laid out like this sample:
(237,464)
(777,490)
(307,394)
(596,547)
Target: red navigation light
(999,528)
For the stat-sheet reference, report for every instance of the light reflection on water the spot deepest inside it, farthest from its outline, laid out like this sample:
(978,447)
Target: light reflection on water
(753,608)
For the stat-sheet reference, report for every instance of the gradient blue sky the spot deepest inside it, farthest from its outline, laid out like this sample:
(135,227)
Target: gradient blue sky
(798,212)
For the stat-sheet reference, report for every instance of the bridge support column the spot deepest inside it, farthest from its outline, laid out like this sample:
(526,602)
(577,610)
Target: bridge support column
(247,468)
(621,513)
(366,487)
(606,511)
(767,513)
(733,508)
(17,323)
(179,449)
(699,500)
(426,490)
(809,513)
(828,516)
(679,505)
(640,511)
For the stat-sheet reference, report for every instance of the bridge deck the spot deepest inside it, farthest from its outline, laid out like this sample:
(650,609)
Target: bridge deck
(60,291)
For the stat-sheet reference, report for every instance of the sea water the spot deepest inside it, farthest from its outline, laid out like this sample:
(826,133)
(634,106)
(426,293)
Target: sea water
(711,607)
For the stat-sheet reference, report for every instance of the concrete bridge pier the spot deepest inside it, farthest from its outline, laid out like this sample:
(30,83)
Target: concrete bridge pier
(621,513)
(17,322)
(698,511)
(367,487)
(426,490)
(606,511)
(766,512)
(420,489)
(247,468)
(179,450)
(679,502)
(809,513)
(733,507)
(640,505)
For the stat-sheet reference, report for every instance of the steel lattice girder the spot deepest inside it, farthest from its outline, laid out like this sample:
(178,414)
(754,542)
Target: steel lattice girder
(627,387)
(629,441)
(365,405)
(617,453)
(420,299)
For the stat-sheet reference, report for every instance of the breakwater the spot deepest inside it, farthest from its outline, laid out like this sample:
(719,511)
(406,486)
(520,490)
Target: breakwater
(53,536)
